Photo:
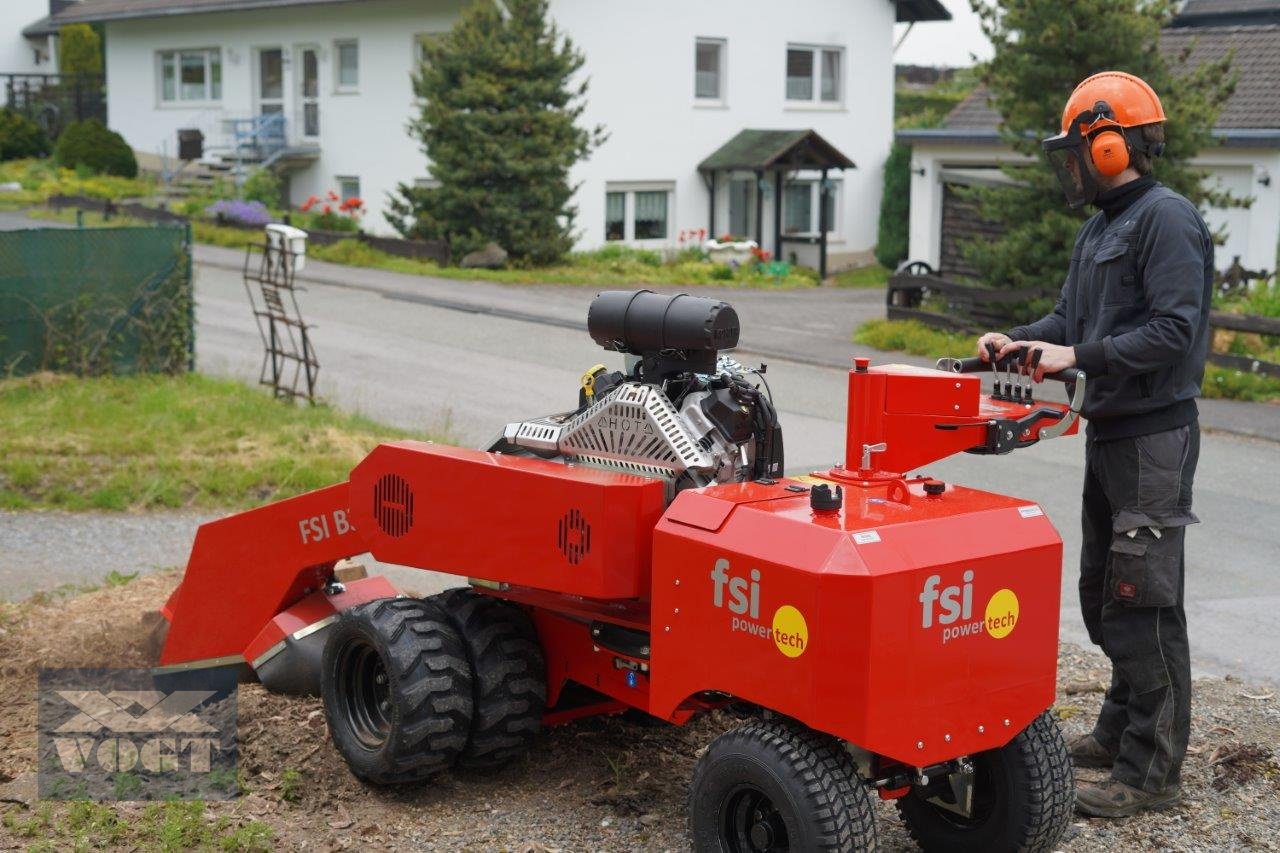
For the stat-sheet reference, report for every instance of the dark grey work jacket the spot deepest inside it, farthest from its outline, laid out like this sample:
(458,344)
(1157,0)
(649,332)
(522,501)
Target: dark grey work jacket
(1135,306)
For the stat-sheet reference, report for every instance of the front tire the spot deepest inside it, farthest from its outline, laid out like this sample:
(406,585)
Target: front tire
(774,785)
(1022,798)
(397,690)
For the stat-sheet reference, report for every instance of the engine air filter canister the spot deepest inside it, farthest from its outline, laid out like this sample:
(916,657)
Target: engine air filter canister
(641,321)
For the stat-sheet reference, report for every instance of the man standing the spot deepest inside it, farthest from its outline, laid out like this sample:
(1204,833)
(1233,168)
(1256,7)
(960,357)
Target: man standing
(1134,316)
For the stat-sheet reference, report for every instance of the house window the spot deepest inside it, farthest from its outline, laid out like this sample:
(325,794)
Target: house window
(190,75)
(800,201)
(708,75)
(348,53)
(742,207)
(813,74)
(348,186)
(637,212)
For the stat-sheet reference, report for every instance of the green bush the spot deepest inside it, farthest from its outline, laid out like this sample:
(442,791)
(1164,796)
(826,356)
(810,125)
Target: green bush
(91,144)
(20,136)
(895,208)
(262,185)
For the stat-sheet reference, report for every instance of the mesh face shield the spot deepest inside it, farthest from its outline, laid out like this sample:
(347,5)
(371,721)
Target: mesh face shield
(1067,153)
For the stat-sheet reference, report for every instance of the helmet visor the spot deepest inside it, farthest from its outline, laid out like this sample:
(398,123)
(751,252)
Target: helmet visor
(1066,153)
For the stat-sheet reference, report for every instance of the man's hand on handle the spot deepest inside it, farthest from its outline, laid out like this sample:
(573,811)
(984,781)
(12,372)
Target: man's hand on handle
(1053,357)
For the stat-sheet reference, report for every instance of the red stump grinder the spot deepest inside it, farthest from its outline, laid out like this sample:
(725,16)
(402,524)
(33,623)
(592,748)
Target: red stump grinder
(891,635)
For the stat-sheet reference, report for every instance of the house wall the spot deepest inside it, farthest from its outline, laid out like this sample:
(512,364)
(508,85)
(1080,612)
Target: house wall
(640,67)
(1251,233)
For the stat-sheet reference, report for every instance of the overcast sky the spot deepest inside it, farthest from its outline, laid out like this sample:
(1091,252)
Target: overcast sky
(951,43)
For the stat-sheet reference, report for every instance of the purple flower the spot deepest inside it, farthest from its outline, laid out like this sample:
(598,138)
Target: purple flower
(246,212)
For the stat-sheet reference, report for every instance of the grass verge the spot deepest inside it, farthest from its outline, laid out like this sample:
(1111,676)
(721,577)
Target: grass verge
(117,443)
(916,338)
(171,826)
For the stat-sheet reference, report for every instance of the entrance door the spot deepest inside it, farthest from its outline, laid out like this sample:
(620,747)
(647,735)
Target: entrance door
(742,207)
(270,81)
(309,90)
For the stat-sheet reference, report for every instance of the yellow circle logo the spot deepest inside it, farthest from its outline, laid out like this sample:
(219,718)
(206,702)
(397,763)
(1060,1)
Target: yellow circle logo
(1002,613)
(790,633)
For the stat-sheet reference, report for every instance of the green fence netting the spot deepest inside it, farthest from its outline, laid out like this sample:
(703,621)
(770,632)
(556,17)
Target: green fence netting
(96,300)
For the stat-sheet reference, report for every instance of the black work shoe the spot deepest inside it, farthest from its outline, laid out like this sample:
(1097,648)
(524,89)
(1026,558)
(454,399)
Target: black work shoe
(1113,798)
(1087,751)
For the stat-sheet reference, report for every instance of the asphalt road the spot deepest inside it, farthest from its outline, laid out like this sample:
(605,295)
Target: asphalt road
(461,360)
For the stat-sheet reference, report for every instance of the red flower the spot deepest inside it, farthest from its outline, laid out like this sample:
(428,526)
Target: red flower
(327,209)
(332,196)
(308,204)
(351,205)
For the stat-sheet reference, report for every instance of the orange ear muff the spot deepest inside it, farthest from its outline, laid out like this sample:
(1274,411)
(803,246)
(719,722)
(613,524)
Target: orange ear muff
(1110,153)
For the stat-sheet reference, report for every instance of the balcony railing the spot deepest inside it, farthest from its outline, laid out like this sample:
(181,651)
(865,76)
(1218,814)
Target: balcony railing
(55,100)
(261,138)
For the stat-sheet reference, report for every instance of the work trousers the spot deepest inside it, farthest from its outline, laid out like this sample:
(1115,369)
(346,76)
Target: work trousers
(1137,505)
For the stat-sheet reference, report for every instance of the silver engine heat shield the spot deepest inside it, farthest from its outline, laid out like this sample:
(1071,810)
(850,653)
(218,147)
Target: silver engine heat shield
(635,428)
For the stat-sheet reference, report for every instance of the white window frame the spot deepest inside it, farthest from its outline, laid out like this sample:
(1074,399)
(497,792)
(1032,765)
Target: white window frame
(815,198)
(722,76)
(177,100)
(339,87)
(338,180)
(629,189)
(815,102)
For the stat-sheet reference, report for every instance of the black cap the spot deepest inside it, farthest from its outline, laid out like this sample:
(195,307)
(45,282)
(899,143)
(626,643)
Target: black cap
(933,488)
(821,498)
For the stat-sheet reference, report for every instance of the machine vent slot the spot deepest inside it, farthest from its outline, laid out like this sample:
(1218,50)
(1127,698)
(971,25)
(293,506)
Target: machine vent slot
(393,505)
(574,536)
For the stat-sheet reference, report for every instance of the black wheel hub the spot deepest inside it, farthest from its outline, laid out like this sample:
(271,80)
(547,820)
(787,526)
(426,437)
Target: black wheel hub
(365,694)
(751,824)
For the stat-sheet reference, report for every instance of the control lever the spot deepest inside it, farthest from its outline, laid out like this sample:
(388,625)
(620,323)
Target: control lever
(1031,371)
(1008,376)
(995,377)
(1020,359)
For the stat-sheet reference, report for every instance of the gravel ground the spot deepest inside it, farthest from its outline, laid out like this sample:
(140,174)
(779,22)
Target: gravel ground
(601,784)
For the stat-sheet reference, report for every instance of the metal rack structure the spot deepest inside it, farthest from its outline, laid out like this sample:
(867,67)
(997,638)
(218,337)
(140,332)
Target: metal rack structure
(289,363)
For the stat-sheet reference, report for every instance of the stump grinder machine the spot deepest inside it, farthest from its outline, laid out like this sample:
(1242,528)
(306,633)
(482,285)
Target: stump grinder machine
(880,633)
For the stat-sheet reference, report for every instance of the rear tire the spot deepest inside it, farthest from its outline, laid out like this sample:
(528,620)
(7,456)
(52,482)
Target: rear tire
(1022,798)
(774,785)
(510,684)
(397,690)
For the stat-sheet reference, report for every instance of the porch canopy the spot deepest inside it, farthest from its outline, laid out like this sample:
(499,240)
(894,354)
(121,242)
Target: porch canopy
(779,152)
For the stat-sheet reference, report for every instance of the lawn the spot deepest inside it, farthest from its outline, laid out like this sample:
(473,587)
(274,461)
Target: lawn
(145,442)
(916,338)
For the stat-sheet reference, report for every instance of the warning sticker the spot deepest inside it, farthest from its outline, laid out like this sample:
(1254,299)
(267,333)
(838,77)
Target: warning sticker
(1030,511)
(866,537)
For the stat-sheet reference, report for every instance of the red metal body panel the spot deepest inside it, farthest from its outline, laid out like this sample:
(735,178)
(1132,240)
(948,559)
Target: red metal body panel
(246,568)
(572,529)
(821,616)
(317,607)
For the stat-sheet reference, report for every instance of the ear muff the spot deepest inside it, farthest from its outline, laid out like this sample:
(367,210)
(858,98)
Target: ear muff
(1110,153)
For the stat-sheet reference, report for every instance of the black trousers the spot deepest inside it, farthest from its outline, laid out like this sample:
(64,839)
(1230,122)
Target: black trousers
(1137,505)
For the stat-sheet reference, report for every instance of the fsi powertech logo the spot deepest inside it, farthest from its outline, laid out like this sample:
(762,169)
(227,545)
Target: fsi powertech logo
(952,607)
(126,734)
(787,629)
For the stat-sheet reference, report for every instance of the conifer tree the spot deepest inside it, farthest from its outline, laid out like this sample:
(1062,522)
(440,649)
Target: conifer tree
(1043,49)
(499,122)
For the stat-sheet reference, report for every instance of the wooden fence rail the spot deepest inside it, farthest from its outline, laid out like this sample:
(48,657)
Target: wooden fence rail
(907,292)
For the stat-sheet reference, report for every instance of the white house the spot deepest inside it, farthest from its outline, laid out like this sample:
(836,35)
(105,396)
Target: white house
(968,149)
(673,84)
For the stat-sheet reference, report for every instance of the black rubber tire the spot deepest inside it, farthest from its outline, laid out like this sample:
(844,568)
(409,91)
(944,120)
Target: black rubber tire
(1022,798)
(397,690)
(814,799)
(509,690)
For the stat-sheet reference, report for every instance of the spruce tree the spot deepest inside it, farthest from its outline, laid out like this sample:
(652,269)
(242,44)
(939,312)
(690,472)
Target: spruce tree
(1043,49)
(499,122)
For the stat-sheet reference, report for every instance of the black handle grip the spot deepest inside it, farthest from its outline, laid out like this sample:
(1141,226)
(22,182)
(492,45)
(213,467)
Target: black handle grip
(977,365)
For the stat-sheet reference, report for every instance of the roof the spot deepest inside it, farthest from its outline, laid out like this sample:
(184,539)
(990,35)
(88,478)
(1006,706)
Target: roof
(1251,116)
(1200,13)
(769,149)
(41,28)
(113,10)
(921,10)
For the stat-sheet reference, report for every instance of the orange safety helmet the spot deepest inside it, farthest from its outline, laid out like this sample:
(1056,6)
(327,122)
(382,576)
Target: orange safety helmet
(1101,111)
